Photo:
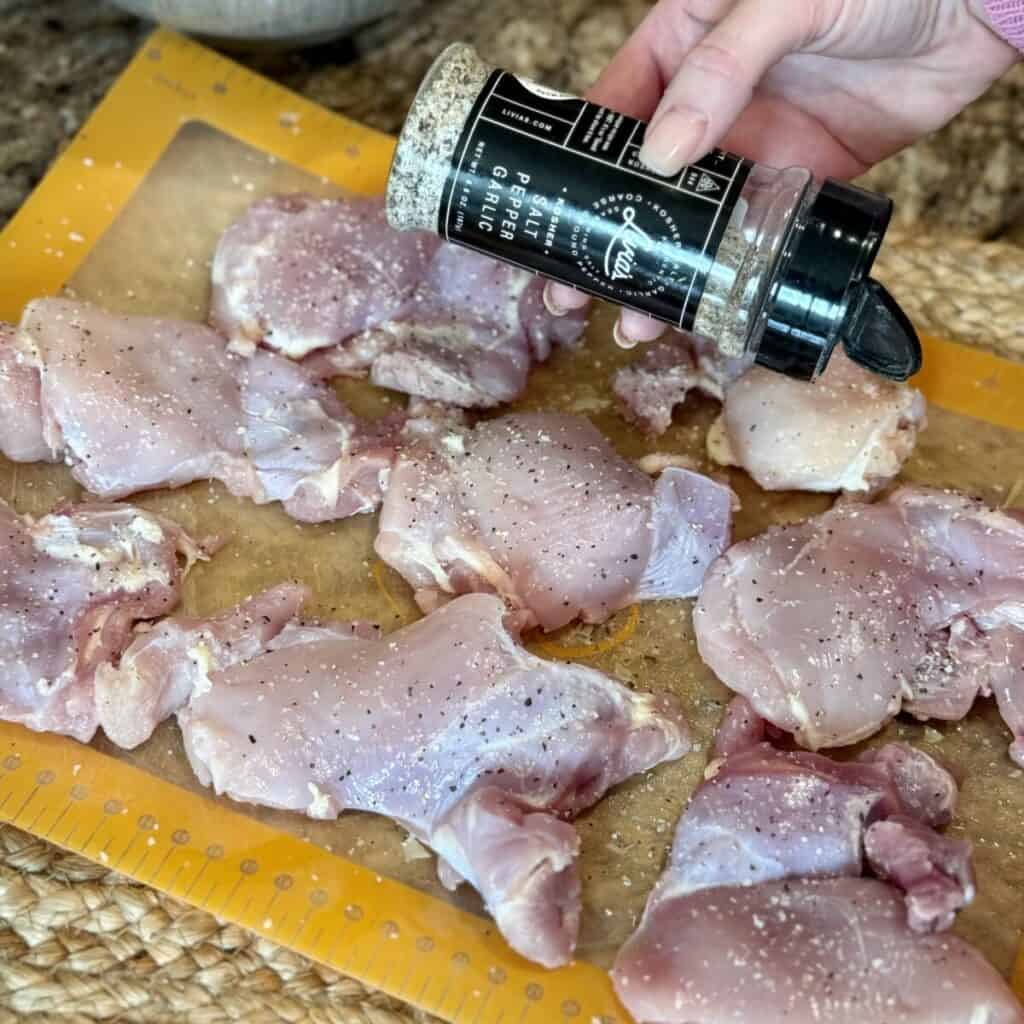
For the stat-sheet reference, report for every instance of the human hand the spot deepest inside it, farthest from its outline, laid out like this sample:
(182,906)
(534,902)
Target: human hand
(832,85)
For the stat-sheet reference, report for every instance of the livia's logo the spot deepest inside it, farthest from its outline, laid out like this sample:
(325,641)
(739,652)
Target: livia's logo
(620,256)
(627,245)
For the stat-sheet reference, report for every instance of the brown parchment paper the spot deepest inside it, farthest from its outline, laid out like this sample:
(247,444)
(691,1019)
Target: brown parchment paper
(155,260)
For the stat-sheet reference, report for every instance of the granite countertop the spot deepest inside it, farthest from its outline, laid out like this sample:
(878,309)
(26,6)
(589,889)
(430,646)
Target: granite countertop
(58,58)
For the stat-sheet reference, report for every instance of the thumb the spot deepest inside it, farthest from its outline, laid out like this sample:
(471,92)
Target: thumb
(717,78)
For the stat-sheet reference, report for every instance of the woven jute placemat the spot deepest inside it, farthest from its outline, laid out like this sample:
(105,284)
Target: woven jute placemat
(80,943)
(957,288)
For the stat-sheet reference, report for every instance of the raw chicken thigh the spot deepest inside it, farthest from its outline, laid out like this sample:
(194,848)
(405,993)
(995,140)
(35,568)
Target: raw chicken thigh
(807,951)
(831,626)
(169,663)
(764,814)
(300,274)
(762,917)
(650,388)
(72,584)
(448,726)
(539,509)
(21,426)
(305,275)
(133,403)
(849,431)
(307,449)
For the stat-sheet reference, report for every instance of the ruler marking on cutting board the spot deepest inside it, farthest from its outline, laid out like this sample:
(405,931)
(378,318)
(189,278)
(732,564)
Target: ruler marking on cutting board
(386,934)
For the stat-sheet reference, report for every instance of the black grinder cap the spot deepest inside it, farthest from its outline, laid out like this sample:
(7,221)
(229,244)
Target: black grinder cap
(824,294)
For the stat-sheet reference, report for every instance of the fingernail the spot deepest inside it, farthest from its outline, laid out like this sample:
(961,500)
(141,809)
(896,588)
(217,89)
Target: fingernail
(638,327)
(620,339)
(672,140)
(560,299)
(551,304)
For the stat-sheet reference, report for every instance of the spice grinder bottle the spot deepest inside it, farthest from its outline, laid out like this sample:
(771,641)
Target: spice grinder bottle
(762,261)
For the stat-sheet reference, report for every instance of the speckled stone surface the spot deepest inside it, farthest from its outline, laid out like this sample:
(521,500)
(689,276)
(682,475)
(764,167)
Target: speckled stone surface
(58,57)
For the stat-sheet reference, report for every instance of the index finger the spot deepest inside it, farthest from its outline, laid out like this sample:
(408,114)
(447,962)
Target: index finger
(635,80)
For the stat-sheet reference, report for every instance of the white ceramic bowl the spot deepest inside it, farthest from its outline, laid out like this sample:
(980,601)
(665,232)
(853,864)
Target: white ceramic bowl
(280,22)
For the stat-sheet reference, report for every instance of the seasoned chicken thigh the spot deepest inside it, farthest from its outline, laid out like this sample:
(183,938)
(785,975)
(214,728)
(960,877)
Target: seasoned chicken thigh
(133,403)
(831,626)
(848,431)
(21,426)
(304,275)
(167,664)
(448,726)
(662,377)
(804,951)
(761,915)
(300,274)
(540,509)
(72,584)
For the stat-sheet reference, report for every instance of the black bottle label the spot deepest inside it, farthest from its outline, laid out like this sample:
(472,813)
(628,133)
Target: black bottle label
(553,183)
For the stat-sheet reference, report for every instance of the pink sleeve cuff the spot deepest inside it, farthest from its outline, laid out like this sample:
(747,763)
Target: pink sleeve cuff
(1007,17)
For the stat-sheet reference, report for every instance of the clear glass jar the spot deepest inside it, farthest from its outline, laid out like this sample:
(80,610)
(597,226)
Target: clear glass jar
(750,257)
